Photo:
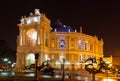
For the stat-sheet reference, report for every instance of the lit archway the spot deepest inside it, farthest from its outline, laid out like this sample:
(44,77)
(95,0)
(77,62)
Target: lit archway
(30,59)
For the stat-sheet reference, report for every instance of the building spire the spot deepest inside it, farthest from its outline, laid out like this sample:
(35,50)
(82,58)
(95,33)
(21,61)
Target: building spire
(80,29)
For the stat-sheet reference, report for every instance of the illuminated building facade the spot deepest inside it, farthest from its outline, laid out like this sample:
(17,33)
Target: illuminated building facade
(53,43)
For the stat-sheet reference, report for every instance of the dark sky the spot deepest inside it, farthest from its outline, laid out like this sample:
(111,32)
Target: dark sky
(97,17)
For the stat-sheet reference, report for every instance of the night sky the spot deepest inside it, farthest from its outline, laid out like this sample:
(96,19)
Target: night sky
(97,17)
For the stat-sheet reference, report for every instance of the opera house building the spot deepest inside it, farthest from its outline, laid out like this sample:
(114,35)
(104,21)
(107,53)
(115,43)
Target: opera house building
(54,43)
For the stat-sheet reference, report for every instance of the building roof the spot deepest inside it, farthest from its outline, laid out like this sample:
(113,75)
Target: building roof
(59,27)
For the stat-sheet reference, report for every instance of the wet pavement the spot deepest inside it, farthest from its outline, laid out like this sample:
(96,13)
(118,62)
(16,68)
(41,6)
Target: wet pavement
(79,75)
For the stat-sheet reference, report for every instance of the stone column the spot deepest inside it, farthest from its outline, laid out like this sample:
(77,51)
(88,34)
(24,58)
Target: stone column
(68,47)
(24,59)
(39,59)
(83,44)
(24,36)
(42,45)
(76,44)
(89,45)
(21,40)
(38,37)
(41,36)
(19,64)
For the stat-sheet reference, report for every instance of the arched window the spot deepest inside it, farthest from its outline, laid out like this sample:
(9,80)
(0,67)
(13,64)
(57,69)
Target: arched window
(80,44)
(31,37)
(30,59)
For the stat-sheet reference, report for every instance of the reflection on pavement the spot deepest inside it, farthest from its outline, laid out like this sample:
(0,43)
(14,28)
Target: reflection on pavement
(57,76)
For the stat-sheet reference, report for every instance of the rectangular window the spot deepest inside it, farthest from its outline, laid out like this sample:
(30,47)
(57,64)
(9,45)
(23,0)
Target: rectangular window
(87,56)
(52,56)
(80,58)
(72,43)
(61,57)
(72,57)
(86,45)
(52,45)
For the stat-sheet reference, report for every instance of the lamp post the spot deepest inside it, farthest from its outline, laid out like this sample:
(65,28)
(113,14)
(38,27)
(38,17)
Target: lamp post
(36,63)
(63,73)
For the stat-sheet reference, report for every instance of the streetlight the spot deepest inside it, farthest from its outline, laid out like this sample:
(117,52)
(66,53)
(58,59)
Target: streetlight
(5,59)
(63,73)
(36,63)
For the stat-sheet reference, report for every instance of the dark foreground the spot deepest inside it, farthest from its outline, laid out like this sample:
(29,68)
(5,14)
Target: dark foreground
(75,76)
(33,79)
(45,79)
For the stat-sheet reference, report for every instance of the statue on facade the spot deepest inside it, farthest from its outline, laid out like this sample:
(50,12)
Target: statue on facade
(37,12)
(22,20)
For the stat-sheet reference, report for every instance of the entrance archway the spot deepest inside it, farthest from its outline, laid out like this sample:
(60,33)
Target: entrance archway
(30,59)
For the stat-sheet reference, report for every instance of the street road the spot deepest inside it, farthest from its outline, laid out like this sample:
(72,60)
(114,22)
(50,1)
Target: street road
(76,75)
